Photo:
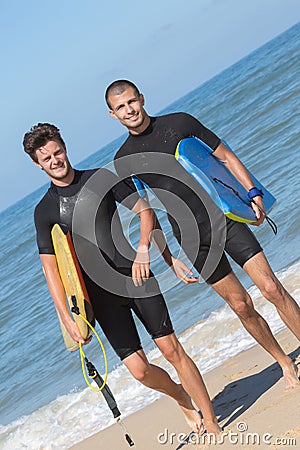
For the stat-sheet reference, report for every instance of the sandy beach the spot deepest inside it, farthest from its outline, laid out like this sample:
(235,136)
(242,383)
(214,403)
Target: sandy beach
(249,400)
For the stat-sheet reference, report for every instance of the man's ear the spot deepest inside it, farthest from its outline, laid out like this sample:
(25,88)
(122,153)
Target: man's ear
(142,99)
(111,112)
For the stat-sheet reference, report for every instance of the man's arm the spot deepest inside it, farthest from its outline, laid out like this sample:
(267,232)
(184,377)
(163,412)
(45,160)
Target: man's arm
(240,172)
(57,292)
(141,264)
(150,230)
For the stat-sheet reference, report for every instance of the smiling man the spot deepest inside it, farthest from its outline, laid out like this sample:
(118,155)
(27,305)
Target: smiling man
(138,289)
(150,141)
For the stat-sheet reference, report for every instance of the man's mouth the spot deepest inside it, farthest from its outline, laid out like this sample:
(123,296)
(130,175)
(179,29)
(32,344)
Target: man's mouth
(61,166)
(134,117)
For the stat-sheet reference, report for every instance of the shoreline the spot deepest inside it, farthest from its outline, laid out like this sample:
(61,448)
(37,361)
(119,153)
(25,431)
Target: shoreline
(249,400)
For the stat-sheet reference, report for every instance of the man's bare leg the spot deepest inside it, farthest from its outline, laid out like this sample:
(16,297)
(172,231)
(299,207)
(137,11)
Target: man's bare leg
(190,378)
(260,272)
(158,379)
(240,302)
(264,278)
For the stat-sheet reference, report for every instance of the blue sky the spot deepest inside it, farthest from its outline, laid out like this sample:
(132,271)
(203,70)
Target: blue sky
(58,57)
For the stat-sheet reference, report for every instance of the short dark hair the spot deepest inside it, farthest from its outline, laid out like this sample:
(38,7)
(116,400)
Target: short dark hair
(38,136)
(118,87)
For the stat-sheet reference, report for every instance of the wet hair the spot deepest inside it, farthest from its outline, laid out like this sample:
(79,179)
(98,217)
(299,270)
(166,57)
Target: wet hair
(38,136)
(118,87)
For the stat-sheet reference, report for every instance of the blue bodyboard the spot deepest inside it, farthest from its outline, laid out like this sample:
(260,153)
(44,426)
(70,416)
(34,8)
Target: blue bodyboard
(229,195)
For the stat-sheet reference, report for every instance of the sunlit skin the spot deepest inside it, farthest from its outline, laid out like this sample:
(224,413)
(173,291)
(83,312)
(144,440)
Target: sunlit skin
(52,158)
(128,108)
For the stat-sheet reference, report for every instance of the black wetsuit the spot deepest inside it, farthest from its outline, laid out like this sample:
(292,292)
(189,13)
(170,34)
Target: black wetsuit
(164,176)
(112,311)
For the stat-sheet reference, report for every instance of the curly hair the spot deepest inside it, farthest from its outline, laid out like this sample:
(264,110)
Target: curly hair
(38,136)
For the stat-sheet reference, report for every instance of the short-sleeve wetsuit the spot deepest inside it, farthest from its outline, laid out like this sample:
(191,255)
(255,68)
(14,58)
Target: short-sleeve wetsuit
(112,311)
(162,137)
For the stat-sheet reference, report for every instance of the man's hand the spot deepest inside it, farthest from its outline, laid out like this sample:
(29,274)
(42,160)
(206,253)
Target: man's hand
(258,208)
(141,266)
(182,271)
(74,332)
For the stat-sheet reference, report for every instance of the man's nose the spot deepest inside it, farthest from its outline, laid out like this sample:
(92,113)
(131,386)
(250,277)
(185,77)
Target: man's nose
(129,109)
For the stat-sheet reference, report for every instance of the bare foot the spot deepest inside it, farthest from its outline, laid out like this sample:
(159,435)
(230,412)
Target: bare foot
(213,428)
(290,375)
(191,415)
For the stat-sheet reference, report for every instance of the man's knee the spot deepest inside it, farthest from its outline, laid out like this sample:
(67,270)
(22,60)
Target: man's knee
(140,373)
(242,306)
(172,351)
(271,289)
(138,365)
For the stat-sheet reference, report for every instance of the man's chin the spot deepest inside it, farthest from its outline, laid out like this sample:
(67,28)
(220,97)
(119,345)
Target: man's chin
(135,125)
(60,175)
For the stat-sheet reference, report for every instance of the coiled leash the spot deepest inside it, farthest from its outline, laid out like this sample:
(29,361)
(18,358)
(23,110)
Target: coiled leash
(83,357)
(94,374)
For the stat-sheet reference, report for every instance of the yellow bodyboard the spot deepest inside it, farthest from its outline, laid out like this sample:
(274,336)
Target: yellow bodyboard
(71,276)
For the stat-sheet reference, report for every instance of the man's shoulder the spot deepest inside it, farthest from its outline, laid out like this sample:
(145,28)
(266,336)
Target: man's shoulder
(105,172)
(86,173)
(44,207)
(44,200)
(123,148)
(174,117)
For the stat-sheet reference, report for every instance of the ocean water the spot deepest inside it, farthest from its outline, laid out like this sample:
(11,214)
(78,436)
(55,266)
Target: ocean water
(45,404)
